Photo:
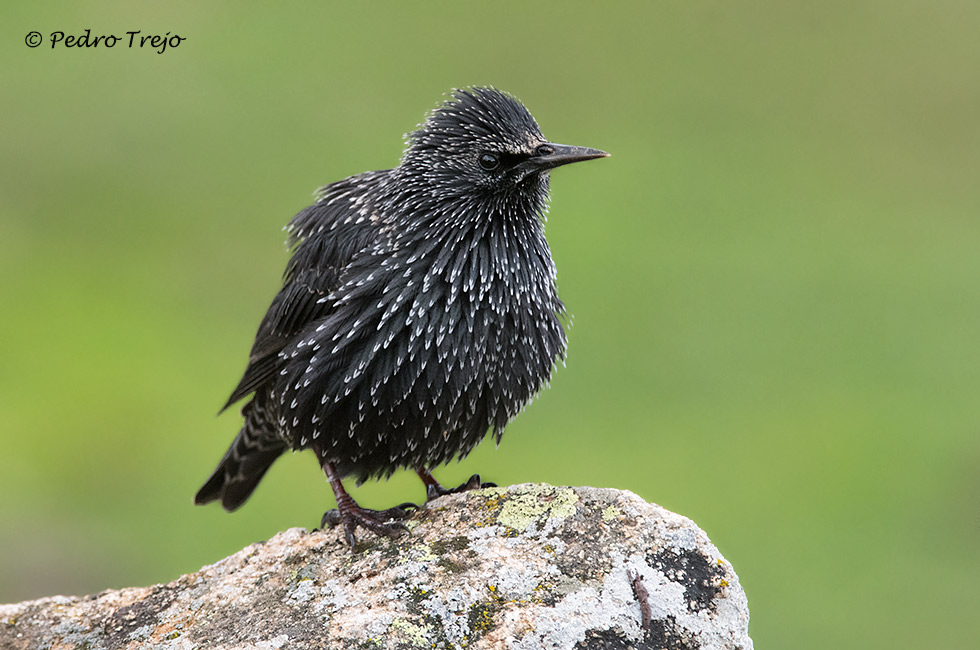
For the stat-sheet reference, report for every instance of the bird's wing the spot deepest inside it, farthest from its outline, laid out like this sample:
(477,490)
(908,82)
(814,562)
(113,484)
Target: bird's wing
(294,306)
(326,237)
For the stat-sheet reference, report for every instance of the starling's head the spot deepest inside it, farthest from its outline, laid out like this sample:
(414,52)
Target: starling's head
(483,140)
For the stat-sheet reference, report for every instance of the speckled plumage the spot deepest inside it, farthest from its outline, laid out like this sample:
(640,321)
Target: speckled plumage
(419,309)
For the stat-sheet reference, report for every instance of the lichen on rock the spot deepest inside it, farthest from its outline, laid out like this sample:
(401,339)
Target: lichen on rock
(533,503)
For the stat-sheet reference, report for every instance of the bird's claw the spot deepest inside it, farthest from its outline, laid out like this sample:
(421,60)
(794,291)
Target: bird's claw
(433,491)
(380,522)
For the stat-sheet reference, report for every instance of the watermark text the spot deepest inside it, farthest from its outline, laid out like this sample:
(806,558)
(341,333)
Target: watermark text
(133,40)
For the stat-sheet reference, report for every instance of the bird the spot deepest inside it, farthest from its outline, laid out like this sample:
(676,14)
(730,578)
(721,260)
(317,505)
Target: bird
(418,313)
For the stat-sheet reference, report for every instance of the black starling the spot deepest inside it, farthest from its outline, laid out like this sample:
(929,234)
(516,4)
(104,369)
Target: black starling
(418,311)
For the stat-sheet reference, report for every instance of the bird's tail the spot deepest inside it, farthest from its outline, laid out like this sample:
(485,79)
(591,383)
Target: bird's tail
(247,460)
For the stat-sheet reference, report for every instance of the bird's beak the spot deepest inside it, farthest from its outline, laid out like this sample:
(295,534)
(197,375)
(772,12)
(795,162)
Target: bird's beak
(562,154)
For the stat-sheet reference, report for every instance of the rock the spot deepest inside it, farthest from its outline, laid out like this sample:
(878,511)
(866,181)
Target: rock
(523,567)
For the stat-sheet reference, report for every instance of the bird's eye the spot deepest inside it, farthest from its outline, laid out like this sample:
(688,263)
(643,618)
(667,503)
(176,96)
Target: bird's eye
(489,161)
(545,150)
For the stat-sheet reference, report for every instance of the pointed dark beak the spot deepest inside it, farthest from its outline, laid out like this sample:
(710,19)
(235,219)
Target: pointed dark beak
(550,155)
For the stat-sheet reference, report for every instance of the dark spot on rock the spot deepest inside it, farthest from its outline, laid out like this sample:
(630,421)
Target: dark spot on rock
(457,543)
(584,557)
(451,565)
(664,633)
(125,620)
(415,597)
(586,536)
(604,640)
(453,553)
(480,619)
(699,576)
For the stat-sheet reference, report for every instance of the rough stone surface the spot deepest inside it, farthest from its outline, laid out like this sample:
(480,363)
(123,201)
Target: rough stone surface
(524,567)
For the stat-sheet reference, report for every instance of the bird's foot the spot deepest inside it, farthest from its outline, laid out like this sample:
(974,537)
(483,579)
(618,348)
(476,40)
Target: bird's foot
(380,522)
(434,490)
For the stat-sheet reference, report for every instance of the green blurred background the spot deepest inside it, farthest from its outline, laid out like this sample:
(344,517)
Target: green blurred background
(775,280)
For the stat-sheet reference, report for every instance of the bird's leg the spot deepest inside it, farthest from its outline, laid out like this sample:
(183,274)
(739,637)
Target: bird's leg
(434,489)
(351,515)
